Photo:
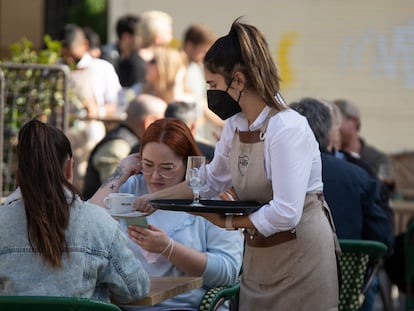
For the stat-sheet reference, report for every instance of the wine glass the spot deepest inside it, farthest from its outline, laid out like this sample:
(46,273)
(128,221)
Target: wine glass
(196,176)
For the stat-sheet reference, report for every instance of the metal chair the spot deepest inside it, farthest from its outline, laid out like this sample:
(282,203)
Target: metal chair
(359,264)
(214,297)
(49,303)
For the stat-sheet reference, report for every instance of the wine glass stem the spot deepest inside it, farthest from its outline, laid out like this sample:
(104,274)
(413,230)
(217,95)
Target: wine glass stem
(196,197)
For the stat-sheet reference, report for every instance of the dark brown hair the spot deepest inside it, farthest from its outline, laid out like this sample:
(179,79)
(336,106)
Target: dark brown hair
(42,152)
(245,49)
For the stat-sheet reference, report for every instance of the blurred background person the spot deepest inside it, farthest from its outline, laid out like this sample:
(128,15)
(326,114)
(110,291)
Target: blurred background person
(94,87)
(118,142)
(97,73)
(129,65)
(197,40)
(352,194)
(356,146)
(94,42)
(166,75)
(187,112)
(155,28)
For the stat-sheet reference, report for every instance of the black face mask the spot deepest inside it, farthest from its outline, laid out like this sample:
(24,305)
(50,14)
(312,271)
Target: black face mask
(222,104)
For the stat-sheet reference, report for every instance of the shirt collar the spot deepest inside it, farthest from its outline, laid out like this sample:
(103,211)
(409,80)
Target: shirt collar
(16,195)
(261,118)
(84,62)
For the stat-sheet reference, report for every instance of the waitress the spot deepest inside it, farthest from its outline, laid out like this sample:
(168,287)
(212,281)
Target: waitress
(268,153)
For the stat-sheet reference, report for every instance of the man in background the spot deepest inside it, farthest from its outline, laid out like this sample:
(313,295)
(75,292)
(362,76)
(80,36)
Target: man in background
(351,193)
(356,146)
(118,142)
(187,112)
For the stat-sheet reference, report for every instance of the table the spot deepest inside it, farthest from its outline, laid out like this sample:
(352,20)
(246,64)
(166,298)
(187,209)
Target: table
(403,212)
(163,288)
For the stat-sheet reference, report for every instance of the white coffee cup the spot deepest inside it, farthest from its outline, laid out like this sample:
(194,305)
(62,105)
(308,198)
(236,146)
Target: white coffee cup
(119,203)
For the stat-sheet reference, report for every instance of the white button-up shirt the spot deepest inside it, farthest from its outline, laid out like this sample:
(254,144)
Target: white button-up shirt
(292,164)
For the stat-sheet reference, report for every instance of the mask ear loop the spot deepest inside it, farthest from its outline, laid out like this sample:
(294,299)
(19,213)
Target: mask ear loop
(228,86)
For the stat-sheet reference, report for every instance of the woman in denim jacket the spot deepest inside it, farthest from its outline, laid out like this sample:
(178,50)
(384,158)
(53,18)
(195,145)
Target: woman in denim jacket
(53,243)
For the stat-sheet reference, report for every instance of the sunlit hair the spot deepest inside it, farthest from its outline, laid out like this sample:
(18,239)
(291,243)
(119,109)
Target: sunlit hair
(175,134)
(171,67)
(42,152)
(245,49)
(153,25)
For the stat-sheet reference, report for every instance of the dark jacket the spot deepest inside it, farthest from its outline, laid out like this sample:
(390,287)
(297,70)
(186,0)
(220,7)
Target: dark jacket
(92,179)
(353,197)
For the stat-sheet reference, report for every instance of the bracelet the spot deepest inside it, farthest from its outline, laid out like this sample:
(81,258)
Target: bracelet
(228,224)
(168,245)
(171,250)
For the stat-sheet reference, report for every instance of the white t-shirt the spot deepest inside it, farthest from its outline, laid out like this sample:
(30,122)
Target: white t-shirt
(105,81)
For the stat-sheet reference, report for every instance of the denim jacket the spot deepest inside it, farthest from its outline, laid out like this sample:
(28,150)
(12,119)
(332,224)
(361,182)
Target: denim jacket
(99,265)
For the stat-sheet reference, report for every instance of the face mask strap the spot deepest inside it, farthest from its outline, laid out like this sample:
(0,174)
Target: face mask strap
(228,86)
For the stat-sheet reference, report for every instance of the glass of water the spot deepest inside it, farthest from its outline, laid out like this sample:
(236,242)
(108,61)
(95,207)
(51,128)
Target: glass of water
(196,176)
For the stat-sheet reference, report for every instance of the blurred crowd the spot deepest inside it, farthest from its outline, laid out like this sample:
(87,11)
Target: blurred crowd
(105,79)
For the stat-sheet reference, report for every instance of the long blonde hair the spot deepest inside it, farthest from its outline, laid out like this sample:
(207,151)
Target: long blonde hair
(171,67)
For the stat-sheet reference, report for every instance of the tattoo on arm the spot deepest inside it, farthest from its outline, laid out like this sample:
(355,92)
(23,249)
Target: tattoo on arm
(115,176)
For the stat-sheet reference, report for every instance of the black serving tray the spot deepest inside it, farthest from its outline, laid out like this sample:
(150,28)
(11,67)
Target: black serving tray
(208,206)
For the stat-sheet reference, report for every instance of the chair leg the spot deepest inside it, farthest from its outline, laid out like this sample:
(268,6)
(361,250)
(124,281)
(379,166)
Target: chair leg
(385,288)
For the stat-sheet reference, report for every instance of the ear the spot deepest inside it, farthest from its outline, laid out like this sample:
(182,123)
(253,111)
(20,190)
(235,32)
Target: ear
(240,79)
(69,169)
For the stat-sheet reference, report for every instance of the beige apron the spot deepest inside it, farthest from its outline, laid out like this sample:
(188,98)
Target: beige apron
(300,274)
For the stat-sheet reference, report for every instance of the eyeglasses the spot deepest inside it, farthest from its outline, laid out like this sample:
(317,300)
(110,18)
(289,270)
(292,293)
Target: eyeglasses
(166,171)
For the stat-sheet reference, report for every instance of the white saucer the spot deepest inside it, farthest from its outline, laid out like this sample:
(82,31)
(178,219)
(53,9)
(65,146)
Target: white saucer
(128,215)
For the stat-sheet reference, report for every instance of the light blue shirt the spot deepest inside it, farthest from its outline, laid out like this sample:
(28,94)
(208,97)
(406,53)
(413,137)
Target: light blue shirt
(224,248)
(99,263)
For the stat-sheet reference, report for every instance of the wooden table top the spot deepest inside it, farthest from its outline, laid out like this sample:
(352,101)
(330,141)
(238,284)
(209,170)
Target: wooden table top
(163,288)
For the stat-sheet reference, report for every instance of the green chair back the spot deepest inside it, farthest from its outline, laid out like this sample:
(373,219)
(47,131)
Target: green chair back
(358,256)
(215,296)
(409,266)
(48,303)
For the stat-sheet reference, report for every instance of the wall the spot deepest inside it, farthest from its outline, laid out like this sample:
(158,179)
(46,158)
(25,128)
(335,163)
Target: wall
(18,19)
(362,50)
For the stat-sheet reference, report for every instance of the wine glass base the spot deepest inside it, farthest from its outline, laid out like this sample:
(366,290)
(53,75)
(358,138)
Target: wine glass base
(196,203)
